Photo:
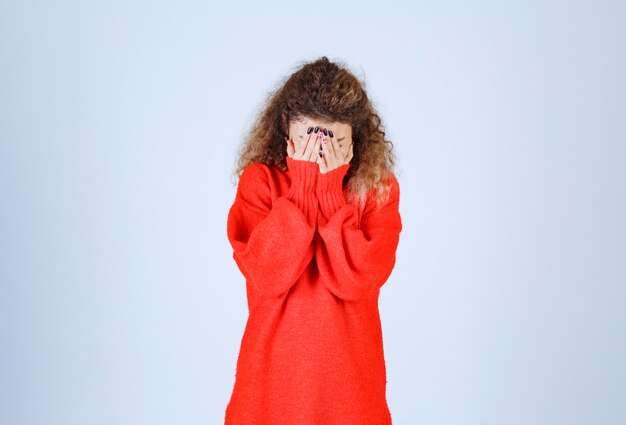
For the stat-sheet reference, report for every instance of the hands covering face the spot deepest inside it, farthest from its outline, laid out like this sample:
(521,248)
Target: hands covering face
(320,145)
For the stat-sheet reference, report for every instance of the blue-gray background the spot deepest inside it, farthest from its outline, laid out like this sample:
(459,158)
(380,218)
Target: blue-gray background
(120,302)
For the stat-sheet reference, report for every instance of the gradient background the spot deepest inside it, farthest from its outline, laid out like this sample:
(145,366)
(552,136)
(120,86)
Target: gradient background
(120,302)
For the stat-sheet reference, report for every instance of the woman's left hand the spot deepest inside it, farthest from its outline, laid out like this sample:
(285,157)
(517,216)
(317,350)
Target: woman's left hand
(332,156)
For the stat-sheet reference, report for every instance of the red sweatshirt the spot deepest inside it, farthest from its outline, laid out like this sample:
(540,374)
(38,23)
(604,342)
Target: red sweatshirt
(312,349)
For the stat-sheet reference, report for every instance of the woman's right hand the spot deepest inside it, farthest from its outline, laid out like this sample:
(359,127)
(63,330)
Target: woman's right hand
(307,150)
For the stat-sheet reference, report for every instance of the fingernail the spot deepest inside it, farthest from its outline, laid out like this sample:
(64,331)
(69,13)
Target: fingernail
(309,130)
(325,132)
(320,154)
(330,133)
(316,129)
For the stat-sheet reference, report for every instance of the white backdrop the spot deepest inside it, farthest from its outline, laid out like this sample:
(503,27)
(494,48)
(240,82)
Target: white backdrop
(120,302)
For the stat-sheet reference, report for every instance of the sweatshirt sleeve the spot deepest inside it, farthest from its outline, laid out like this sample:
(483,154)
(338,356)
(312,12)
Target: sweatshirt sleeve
(272,240)
(354,260)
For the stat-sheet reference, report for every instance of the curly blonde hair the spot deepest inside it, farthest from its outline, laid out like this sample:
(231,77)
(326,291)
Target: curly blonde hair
(324,90)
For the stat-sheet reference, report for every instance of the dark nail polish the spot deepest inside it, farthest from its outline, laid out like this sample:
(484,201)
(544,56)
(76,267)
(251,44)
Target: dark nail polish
(331,133)
(309,130)
(325,132)
(320,154)
(316,129)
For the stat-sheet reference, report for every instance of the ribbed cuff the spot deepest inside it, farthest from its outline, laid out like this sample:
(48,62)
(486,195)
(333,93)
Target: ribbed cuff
(304,175)
(329,190)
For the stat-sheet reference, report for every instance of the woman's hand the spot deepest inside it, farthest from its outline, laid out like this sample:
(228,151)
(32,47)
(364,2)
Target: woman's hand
(305,151)
(332,156)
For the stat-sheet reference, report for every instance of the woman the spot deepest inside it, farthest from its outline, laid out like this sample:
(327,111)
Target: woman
(314,228)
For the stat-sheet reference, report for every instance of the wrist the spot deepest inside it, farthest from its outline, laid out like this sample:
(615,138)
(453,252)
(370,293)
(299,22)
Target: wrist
(303,174)
(329,189)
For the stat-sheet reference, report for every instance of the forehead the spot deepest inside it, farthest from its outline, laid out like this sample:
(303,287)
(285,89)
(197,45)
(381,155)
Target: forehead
(304,123)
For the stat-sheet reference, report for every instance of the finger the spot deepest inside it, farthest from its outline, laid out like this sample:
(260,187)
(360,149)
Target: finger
(290,148)
(326,156)
(310,144)
(350,152)
(314,147)
(327,144)
(322,161)
(319,155)
(314,153)
(329,159)
(346,157)
(310,140)
(300,148)
(336,150)
(333,150)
